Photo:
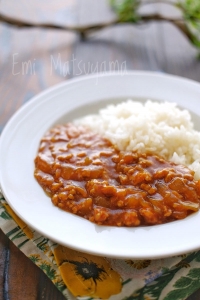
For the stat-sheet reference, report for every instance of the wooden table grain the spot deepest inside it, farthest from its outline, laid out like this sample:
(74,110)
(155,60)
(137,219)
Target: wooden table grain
(32,60)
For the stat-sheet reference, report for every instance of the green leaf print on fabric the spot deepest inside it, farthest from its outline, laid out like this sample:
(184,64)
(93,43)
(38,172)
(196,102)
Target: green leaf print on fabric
(35,258)
(4,215)
(22,243)
(154,289)
(185,286)
(12,231)
(126,281)
(43,245)
(183,282)
(197,258)
(195,274)
(60,284)
(18,235)
(46,267)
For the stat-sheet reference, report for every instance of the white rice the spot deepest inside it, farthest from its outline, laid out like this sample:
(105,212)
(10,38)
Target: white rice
(157,127)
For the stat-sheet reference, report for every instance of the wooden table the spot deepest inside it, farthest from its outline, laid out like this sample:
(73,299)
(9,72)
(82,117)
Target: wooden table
(33,59)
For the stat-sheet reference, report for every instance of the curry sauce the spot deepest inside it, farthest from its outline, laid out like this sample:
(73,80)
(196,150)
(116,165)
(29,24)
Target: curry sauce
(86,175)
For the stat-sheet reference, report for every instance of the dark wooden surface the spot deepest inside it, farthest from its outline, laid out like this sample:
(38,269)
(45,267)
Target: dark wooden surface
(157,47)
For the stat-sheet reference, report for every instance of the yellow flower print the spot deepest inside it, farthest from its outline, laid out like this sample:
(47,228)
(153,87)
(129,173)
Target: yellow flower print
(183,264)
(87,275)
(138,264)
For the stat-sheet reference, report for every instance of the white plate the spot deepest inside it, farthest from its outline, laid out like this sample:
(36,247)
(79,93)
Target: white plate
(74,98)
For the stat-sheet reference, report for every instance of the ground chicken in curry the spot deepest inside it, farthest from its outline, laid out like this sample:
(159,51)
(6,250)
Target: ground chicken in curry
(86,175)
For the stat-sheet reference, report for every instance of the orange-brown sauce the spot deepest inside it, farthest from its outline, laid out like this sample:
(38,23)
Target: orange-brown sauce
(85,174)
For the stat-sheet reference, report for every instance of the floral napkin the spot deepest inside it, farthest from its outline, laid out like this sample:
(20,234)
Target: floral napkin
(88,277)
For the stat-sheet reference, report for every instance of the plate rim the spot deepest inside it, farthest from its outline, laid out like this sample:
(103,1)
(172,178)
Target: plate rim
(59,86)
